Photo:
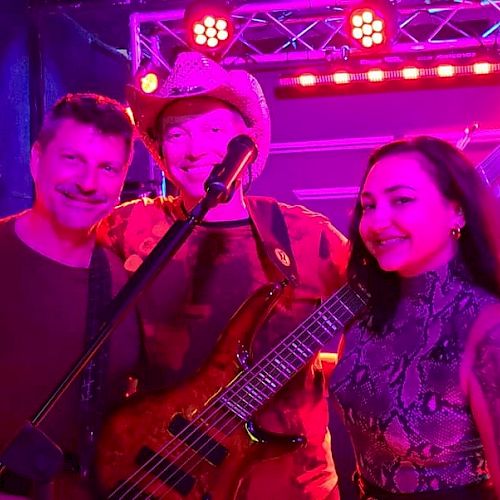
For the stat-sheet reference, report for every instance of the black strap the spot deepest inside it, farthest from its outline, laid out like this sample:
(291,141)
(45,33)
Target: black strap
(92,397)
(272,232)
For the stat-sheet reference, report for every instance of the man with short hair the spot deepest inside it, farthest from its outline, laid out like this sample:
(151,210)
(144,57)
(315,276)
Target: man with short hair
(55,283)
(241,245)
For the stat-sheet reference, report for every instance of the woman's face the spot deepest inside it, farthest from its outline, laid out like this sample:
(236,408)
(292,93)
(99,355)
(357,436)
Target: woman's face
(406,222)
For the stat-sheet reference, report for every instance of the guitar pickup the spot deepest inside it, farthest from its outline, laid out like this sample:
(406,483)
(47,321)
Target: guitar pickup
(197,440)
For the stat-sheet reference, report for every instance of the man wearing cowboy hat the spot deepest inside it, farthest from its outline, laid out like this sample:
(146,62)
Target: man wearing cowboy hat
(242,244)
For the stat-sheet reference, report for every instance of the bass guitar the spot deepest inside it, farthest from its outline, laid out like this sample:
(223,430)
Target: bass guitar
(198,440)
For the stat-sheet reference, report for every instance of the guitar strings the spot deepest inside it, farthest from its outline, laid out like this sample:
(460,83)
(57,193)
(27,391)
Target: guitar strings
(312,320)
(227,423)
(319,328)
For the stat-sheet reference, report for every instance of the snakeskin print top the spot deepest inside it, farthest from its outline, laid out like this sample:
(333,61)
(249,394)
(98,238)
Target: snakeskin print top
(399,390)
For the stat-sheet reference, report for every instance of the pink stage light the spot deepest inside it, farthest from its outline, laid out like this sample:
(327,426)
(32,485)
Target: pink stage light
(208,25)
(369,25)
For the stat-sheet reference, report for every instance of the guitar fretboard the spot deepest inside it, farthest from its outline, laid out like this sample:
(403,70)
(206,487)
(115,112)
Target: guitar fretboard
(254,387)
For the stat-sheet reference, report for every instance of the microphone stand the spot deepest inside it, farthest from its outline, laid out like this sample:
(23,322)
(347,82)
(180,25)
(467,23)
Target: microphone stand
(31,453)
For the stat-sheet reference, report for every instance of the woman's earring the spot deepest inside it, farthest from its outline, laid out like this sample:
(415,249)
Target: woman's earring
(456,232)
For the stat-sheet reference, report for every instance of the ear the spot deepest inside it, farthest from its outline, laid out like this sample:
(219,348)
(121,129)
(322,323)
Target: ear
(458,216)
(35,159)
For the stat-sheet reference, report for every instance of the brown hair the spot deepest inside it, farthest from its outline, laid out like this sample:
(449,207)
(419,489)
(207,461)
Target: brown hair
(457,180)
(105,114)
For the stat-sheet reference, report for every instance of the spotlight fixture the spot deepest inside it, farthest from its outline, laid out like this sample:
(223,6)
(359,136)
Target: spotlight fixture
(208,25)
(480,70)
(371,25)
(150,76)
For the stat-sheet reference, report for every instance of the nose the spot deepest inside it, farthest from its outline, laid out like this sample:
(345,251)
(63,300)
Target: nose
(87,179)
(378,218)
(198,145)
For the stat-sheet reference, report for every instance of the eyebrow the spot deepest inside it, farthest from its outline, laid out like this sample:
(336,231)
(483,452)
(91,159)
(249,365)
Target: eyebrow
(391,189)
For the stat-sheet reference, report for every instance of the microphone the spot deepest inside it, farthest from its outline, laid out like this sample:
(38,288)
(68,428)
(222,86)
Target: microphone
(241,152)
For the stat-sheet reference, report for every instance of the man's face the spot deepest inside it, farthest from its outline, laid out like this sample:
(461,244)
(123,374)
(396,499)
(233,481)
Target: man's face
(196,133)
(78,175)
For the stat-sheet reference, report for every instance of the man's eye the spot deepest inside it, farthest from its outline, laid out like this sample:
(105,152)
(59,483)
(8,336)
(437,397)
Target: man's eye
(110,168)
(173,135)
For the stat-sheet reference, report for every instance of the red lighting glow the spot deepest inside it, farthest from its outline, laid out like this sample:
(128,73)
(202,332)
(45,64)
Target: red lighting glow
(377,74)
(208,24)
(307,80)
(341,77)
(410,73)
(445,70)
(149,83)
(482,68)
(367,27)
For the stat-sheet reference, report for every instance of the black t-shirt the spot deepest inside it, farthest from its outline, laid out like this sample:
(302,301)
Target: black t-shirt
(42,328)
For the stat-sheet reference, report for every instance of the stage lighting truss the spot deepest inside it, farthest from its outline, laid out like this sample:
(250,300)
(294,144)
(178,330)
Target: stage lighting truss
(309,32)
(341,77)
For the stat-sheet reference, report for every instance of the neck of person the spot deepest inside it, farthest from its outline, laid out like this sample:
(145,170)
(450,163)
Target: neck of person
(71,248)
(234,209)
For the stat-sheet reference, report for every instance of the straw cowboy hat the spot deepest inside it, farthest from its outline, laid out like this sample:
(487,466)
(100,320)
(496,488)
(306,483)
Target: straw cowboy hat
(195,75)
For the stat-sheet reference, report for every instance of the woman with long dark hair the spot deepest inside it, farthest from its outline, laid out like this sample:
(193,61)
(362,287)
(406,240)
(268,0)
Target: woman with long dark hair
(418,381)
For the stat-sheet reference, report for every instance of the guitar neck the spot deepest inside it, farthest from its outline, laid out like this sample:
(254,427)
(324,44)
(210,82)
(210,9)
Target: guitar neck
(489,168)
(254,387)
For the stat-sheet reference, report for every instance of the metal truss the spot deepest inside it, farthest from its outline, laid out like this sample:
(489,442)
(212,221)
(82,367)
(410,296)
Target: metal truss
(284,33)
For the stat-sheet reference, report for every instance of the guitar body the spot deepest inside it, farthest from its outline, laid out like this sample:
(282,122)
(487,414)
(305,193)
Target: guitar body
(191,448)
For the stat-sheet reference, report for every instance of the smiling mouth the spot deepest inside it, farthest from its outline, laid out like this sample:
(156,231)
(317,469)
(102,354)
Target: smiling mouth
(197,168)
(84,201)
(388,243)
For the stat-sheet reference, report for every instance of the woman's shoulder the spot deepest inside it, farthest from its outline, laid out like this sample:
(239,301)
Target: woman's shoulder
(484,336)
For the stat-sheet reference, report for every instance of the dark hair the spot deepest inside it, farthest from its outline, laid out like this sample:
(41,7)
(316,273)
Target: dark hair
(105,114)
(457,180)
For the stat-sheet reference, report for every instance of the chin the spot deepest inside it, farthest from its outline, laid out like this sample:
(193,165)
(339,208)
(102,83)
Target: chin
(79,225)
(193,195)
(391,267)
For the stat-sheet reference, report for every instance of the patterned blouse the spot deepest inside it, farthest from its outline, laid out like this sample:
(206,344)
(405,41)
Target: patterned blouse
(399,391)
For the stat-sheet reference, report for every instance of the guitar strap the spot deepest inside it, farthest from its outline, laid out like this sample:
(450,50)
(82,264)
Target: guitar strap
(272,234)
(92,397)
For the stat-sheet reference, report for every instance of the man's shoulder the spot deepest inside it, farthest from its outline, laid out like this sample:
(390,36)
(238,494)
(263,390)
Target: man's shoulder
(136,216)
(291,212)
(304,221)
(7,225)
(9,220)
(146,206)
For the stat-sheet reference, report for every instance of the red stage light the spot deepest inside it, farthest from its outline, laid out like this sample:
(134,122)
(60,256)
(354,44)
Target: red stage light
(341,77)
(208,24)
(371,25)
(375,75)
(307,80)
(357,78)
(482,68)
(445,70)
(410,73)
